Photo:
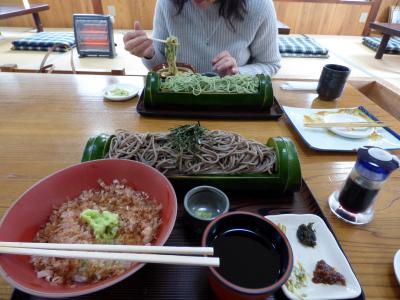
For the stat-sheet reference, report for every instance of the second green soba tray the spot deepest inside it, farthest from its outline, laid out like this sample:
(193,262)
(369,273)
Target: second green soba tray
(156,98)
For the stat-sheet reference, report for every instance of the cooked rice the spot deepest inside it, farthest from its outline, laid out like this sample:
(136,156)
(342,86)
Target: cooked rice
(139,218)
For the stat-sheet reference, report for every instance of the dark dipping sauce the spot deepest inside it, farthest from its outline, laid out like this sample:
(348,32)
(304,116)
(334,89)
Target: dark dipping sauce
(355,198)
(247,259)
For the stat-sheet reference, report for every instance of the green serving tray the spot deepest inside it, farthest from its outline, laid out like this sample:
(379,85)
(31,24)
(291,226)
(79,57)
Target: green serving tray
(155,98)
(285,178)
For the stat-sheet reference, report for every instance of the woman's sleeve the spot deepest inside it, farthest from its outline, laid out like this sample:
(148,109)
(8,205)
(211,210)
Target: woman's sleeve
(160,32)
(265,56)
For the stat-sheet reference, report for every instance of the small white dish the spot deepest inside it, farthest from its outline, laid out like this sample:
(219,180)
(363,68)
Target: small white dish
(396,264)
(327,249)
(131,91)
(353,133)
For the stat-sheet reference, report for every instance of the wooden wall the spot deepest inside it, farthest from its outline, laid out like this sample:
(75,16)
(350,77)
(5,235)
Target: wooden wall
(128,11)
(59,15)
(321,18)
(383,12)
(302,17)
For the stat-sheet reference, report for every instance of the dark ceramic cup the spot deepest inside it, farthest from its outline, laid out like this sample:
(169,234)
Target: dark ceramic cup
(267,233)
(332,81)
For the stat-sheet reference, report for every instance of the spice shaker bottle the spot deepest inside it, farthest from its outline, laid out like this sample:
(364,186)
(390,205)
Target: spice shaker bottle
(354,202)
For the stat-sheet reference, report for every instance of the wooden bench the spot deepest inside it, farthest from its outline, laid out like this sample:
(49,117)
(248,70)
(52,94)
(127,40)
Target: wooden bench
(387,30)
(9,11)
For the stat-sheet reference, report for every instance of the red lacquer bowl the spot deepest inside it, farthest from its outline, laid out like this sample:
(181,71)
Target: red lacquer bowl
(32,209)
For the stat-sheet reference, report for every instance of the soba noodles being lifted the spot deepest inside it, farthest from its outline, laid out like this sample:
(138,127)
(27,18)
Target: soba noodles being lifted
(171,47)
(198,84)
(191,149)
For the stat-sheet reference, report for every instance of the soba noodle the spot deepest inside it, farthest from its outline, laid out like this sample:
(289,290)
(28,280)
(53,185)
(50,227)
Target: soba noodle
(171,48)
(218,152)
(198,84)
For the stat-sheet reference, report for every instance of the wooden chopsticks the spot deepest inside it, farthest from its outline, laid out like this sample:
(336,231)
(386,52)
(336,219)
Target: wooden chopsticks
(346,124)
(158,40)
(145,254)
(161,41)
(114,248)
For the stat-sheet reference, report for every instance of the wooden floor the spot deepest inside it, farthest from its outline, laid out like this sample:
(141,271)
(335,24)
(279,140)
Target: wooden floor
(346,50)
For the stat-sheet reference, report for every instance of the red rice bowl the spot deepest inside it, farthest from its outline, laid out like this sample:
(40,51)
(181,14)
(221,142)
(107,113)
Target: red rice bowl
(31,211)
(139,222)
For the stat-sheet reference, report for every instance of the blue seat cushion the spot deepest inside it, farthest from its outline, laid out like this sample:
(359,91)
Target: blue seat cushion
(393,46)
(301,46)
(42,41)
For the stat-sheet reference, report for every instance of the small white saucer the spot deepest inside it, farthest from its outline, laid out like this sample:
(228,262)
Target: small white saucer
(353,133)
(396,264)
(327,248)
(131,90)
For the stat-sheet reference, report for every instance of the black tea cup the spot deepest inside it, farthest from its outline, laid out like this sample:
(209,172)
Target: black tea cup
(332,81)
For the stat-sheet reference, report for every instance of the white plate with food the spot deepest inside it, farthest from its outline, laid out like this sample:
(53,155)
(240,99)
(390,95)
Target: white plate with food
(396,264)
(352,133)
(120,92)
(325,249)
(322,139)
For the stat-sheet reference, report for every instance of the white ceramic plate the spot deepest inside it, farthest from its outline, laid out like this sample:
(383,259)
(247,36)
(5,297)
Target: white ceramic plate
(131,89)
(327,249)
(396,263)
(353,133)
(324,140)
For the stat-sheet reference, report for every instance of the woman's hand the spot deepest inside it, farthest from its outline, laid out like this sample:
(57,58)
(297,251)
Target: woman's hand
(137,42)
(225,64)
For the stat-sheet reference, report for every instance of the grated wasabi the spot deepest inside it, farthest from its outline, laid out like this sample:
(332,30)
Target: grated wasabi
(105,224)
(119,92)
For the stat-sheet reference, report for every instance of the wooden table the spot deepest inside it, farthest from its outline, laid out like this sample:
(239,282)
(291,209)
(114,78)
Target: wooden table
(7,11)
(388,30)
(46,119)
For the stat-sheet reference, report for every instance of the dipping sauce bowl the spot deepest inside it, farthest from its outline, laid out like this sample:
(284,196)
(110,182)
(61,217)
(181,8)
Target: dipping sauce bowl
(255,256)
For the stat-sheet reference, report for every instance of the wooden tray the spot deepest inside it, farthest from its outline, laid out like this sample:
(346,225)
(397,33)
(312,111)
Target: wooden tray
(182,282)
(274,113)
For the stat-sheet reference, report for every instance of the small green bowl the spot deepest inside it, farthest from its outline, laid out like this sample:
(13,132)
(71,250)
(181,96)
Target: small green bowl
(203,204)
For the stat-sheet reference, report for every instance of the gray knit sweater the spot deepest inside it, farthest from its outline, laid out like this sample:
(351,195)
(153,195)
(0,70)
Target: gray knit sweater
(202,34)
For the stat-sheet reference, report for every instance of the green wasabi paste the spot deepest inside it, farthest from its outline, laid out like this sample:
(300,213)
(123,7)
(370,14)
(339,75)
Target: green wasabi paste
(119,92)
(203,214)
(105,224)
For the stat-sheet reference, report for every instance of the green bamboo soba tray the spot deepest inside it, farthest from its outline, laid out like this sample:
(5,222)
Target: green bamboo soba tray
(285,178)
(154,97)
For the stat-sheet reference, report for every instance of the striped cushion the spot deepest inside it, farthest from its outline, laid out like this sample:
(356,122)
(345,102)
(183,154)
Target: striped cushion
(301,46)
(42,41)
(393,47)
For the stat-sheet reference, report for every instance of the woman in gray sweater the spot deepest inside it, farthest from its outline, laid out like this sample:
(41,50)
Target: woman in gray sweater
(224,36)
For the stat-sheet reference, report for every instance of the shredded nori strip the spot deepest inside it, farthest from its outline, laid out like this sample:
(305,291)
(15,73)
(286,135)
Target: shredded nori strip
(306,235)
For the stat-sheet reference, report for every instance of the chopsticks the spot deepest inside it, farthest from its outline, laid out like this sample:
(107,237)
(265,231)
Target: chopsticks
(158,40)
(346,124)
(114,248)
(144,254)
(161,41)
